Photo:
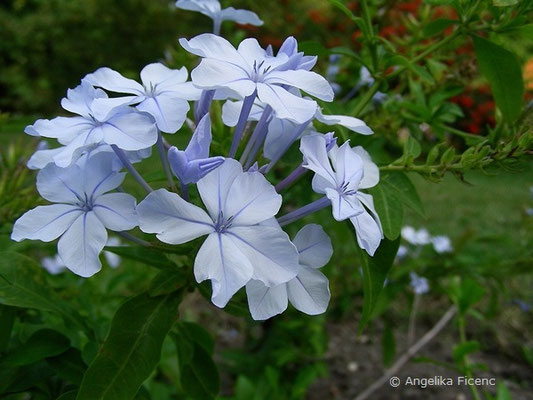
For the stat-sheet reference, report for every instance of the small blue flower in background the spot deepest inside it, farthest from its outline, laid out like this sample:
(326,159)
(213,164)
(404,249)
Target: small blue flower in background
(239,246)
(308,292)
(339,174)
(97,123)
(163,94)
(419,237)
(442,244)
(194,163)
(250,71)
(82,212)
(213,10)
(419,284)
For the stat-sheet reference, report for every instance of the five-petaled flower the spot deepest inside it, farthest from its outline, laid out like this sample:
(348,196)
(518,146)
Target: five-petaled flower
(97,123)
(339,174)
(213,10)
(242,244)
(163,94)
(249,71)
(82,212)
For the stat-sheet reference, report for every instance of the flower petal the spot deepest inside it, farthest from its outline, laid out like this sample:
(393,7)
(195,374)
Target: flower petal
(309,292)
(45,223)
(81,245)
(116,211)
(214,187)
(112,80)
(371,170)
(314,246)
(213,46)
(348,166)
(130,131)
(308,81)
(269,250)
(343,206)
(61,185)
(173,219)
(168,111)
(100,172)
(221,261)
(285,104)
(217,74)
(79,99)
(41,158)
(231,110)
(251,199)
(241,16)
(265,302)
(353,124)
(368,232)
(65,129)
(313,148)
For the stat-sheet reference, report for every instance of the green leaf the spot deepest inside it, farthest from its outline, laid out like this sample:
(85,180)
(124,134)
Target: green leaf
(199,374)
(411,150)
(437,26)
(402,187)
(389,209)
(375,270)
(414,68)
(463,349)
(502,70)
(168,281)
(7,318)
(69,366)
(132,348)
(43,343)
(23,284)
(200,379)
(197,334)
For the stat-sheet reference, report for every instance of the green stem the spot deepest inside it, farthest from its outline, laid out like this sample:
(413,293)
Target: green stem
(366,98)
(466,361)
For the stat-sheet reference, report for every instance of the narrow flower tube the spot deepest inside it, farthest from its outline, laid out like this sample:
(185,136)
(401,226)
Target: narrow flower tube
(304,211)
(131,169)
(243,118)
(298,172)
(203,105)
(257,138)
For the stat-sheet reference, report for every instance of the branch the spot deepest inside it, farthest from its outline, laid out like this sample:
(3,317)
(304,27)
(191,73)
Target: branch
(393,370)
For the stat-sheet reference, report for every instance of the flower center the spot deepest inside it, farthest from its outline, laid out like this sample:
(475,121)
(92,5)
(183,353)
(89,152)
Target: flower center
(86,203)
(259,71)
(222,224)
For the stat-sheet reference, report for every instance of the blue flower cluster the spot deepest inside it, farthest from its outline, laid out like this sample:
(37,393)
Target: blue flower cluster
(245,245)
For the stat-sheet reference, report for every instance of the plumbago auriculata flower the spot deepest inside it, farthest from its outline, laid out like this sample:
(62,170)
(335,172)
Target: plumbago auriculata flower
(116,123)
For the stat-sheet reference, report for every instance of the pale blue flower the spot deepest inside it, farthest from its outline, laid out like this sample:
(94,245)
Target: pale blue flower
(41,158)
(419,237)
(213,10)
(163,94)
(442,244)
(237,248)
(308,292)
(249,71)
(194,163)
(419,284)
(82,211)
(97,123)
(341,179)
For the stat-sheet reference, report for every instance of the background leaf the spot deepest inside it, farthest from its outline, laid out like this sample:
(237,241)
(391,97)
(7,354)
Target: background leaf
(132,348)
(23,284)
(502,70)
(375,270)
(389,209)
